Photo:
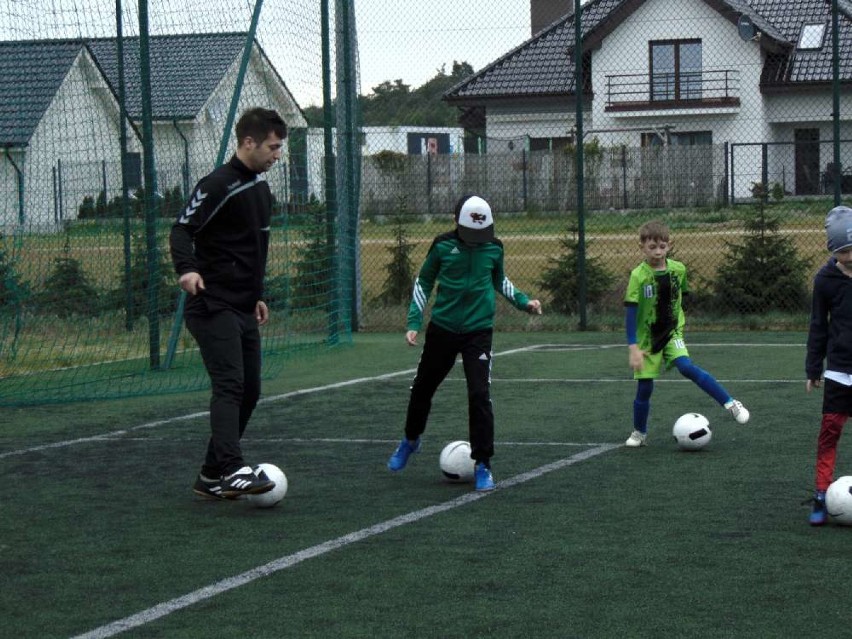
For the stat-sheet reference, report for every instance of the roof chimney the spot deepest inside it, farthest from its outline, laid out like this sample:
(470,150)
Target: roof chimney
(545,12)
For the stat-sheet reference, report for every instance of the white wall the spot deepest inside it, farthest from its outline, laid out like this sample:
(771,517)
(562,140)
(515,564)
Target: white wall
(204,133)
(80,130)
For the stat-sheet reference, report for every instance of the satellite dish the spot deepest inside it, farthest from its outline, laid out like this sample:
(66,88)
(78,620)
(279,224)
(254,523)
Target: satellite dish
(746,28)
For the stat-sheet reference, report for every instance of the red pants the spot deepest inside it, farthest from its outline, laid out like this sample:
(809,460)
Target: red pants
(829,435)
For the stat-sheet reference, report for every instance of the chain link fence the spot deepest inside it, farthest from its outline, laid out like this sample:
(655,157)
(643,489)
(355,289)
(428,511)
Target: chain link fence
(717,118)
(727,120)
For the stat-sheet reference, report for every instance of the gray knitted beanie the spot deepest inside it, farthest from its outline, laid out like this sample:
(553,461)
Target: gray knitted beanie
(838,228)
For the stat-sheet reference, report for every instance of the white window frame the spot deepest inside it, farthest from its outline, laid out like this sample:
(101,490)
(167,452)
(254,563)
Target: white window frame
(812,36)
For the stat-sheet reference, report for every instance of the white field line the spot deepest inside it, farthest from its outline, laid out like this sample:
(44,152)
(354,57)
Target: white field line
(265,400)
(288,561)
(343,440)
(630,380)
(361,380)
(556,348)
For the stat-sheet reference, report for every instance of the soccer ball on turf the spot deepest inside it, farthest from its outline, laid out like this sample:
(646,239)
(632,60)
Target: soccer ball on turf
(838,500)
(692,431)
(272,497)
(455,462)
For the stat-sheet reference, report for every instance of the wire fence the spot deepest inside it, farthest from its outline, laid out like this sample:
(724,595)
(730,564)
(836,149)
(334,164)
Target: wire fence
(727,120)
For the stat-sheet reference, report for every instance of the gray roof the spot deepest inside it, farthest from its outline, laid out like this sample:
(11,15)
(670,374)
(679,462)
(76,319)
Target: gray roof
(805,67)
(30,76)
(543,65)
(185,69)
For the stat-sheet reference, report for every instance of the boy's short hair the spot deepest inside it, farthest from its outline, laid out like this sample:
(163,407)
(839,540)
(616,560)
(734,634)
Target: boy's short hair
(654,230)
(258,123)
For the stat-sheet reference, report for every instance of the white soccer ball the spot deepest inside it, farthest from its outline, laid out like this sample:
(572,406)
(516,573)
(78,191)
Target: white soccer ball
(692,431)
(456,463)
(272,497)
(838,500)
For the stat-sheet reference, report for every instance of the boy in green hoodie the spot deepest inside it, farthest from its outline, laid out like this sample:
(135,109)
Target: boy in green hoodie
(467,266)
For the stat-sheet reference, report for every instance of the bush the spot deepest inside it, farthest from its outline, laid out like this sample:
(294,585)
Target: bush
(68,291)
(763,272)
(561,279)
(139,283)
(400,270)
(12,290)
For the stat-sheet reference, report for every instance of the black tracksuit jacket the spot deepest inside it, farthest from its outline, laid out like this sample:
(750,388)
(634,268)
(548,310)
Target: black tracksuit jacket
(223,234)
(830,334)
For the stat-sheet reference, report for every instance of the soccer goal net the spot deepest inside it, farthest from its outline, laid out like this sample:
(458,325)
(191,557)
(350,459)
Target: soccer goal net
(110,113)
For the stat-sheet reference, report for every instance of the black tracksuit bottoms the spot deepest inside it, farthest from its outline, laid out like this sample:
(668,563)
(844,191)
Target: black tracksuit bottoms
(440,349)
(229,341)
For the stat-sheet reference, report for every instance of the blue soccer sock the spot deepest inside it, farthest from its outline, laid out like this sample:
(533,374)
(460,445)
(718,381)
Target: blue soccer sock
(703,379)
(642,404)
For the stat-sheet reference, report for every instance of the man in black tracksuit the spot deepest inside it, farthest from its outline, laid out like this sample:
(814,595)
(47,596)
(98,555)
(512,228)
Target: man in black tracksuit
(219,247)
(467,266)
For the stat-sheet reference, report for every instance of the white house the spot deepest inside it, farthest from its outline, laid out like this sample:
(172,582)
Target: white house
(192,80)
(752,78)
(59,118)
(59,124)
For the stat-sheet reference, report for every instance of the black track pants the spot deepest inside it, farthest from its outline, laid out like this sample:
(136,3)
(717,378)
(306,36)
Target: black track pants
(230,347)
(440,349)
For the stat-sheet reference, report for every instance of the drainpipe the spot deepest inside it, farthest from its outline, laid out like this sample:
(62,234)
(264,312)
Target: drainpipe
(185,160)
(18,244)
(21,216)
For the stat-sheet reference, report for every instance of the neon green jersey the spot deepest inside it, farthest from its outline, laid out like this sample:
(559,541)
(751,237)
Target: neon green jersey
(467,277)
(659,298)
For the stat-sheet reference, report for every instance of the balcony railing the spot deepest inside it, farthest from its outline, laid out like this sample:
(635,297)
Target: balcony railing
(635,91)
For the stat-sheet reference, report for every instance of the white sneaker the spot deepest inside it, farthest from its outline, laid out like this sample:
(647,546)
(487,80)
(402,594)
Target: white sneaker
(636,439)
(740,412)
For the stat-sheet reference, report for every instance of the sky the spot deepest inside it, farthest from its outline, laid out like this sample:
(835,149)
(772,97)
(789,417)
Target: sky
(409,40)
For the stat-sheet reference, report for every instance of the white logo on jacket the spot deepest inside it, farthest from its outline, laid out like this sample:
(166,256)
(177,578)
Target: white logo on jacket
(192,207)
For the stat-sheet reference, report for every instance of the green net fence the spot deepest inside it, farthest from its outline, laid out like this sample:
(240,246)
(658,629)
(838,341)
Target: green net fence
(578,122)
(716,117)
(109,115)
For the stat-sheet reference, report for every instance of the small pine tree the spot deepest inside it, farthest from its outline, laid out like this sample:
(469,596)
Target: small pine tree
(763,272)
(312,277)
(67,290)
(87,210)
(400,270)
(560,279)
(12,290)
(139,283)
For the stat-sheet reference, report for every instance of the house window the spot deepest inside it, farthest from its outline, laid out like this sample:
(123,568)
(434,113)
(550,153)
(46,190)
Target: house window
(682,138)
(550,144)
(812,36)
(675,70)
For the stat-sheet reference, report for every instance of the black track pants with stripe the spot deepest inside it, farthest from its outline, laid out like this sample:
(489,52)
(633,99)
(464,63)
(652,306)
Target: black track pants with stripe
(440,349)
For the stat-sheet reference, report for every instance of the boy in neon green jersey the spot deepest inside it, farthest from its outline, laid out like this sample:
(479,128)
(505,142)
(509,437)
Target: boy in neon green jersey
(467,266)
(654,323)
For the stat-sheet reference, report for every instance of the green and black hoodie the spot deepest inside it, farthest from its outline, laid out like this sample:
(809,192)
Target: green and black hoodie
(467,276)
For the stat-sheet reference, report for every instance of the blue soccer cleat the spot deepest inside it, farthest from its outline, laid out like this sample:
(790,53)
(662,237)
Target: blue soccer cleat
(819,515)
(400,456)
(482,477)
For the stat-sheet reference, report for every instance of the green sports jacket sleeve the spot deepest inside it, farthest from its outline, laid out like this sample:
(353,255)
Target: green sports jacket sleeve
(467,278)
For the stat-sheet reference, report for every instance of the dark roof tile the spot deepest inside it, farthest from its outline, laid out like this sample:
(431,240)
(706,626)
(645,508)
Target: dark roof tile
(185,69)
(543,65)
(30,75)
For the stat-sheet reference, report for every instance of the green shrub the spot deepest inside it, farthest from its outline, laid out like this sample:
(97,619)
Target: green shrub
(561,280)
(763,272)
(400,270)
